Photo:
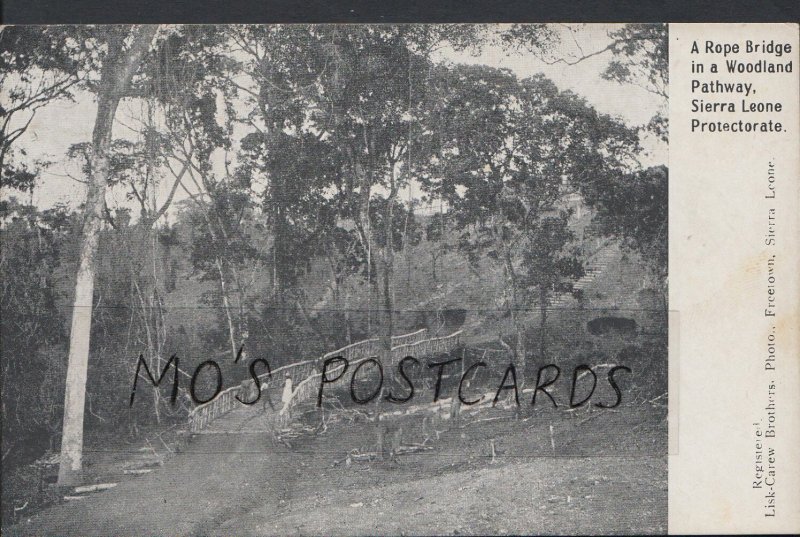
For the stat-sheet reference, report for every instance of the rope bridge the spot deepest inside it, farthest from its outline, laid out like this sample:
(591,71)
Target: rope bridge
(304,374)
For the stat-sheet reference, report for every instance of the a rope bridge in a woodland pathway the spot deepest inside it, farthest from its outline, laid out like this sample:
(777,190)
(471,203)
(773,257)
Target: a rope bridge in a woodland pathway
(303,377)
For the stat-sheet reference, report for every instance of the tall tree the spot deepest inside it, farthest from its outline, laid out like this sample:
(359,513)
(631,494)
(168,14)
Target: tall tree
(548,265)
(634,207)
(189,84)
(357,90)
(125,48)
(371,93)
(508,150)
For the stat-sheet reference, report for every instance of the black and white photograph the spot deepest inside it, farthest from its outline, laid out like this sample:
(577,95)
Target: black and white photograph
(334,279)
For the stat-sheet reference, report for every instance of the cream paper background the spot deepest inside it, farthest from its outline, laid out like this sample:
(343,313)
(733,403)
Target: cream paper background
(718,272)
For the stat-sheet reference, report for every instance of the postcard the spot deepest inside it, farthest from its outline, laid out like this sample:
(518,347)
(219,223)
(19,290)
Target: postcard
(400,279)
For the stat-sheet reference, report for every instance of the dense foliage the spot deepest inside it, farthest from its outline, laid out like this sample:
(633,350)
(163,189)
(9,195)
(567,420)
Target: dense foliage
(275,177)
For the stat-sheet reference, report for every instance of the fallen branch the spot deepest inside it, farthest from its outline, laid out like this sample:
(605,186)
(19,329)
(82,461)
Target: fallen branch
(412,449)
(368,456)
(486,419)
(137,471)
(94,488)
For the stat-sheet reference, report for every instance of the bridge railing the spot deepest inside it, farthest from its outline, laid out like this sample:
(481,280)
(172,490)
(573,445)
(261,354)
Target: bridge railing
(306,390)
(413,337)
(426,347)
(301,373)
(201,416)
(357,350)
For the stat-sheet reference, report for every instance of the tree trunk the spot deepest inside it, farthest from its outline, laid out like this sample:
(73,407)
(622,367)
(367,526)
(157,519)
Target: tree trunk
(388,315)
(365,234)
(388,262)
(78,362)
(243,324)
(405,244)
(117,71)
(347,332)
(511,280)
(227,307)
(542,322)
(278,255)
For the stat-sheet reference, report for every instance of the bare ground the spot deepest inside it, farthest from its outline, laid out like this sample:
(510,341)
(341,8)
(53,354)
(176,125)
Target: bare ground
(553,472)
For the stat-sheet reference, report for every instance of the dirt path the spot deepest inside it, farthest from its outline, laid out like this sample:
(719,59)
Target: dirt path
(237,480)
(215,477)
